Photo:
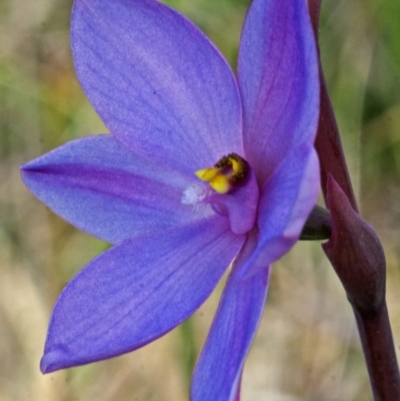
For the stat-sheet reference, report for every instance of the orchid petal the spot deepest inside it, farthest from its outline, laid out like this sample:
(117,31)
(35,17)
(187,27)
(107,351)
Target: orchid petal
(278,79)
(218,371)
(158,83)
(137,291)
(286,201)
(238,387)
(101,187)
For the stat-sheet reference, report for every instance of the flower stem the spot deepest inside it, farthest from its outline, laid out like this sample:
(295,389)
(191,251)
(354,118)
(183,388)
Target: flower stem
(354,251)
(328,143)
(379,351)
(318,225)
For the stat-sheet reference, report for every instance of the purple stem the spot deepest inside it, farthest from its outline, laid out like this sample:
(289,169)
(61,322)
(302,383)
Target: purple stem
(328,141)
(355,251)
(379,353)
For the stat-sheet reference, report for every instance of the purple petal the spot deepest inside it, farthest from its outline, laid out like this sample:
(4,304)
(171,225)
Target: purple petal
(157,82)
(237,396)
(218,371)
(101,187)
(136,292)
(278,78)
(287,199)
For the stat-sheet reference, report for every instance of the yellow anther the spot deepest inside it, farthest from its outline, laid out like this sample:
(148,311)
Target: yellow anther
(221,184)
(229,171)
(207,174)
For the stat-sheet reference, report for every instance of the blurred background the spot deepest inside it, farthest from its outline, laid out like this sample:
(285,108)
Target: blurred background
(307,347)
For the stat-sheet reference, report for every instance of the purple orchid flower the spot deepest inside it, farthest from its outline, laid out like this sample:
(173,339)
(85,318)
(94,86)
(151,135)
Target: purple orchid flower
(200,171)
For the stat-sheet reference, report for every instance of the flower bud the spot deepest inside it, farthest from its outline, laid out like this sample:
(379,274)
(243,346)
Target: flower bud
(355,252)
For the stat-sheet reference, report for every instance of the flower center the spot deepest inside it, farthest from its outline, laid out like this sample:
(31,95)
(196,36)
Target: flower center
(235,192)
(229,172)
